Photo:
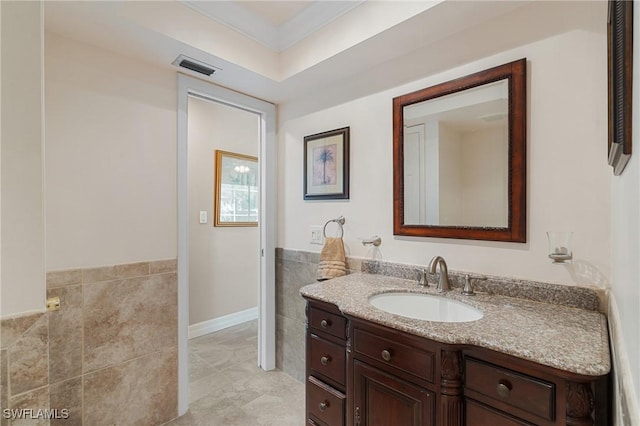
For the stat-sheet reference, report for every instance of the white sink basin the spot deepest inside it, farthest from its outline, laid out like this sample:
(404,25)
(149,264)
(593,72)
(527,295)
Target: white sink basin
(425,307)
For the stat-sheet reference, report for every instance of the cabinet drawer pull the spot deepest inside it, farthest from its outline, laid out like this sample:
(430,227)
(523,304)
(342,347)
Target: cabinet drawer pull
(323,405)
(324,323)
(503,388)
(386,355)
(325,360)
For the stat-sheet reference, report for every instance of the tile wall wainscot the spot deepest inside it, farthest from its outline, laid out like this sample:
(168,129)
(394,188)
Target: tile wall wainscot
(296,268)
(108,356)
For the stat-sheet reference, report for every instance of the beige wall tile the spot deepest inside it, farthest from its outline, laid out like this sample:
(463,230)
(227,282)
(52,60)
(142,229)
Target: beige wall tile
(65,334)
(29,358)
(67,395)
(107,273)
(125,320)
(101,273)
(128,318)
(37,399)
(64,278)
(162,266)
(4,380)
(142,391)
(132,270)
(14,328)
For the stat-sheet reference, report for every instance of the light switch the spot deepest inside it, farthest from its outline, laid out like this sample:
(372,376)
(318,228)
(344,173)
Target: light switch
(316,235)
(203,216)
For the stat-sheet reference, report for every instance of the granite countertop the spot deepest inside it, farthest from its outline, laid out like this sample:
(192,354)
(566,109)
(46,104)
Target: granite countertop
(565,338)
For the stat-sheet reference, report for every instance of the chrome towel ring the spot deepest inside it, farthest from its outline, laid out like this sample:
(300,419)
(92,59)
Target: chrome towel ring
(340,221)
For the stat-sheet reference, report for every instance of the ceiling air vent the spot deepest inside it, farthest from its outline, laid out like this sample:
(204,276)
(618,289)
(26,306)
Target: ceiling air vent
(195,65)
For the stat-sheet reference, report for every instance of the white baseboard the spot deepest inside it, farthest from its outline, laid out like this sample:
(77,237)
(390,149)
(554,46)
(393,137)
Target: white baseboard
(220,323)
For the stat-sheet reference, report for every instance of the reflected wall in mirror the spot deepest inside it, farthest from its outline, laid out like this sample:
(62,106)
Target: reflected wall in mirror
(459,157)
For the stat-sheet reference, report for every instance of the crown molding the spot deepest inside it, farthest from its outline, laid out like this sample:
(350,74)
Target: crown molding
(278,38)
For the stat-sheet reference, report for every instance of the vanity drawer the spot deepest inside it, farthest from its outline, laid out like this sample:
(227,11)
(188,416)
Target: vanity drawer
(327,359)
(526,393)
(477,414)
(329,323)
(324,403)
(415,361)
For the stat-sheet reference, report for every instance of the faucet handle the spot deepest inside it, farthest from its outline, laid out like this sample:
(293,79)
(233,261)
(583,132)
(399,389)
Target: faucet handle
(422,278)
(468,288)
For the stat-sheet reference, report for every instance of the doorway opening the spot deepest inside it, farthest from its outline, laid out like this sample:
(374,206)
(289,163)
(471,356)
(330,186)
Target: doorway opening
(224,241)
(193,90)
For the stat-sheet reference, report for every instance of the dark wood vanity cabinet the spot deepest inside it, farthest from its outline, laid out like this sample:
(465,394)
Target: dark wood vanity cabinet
(360,373)
(326,368)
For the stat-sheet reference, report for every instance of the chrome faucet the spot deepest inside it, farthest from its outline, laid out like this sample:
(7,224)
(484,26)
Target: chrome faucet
(443,280)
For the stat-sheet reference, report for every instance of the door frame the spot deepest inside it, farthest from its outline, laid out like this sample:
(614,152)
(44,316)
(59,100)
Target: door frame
(189,86)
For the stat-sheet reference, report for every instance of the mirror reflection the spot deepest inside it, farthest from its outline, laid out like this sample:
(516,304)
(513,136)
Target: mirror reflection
(456,158)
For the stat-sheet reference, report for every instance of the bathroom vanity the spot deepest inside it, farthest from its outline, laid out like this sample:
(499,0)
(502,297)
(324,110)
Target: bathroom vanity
(522,363)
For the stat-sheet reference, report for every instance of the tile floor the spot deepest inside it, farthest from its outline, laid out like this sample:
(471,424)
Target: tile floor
(227,387)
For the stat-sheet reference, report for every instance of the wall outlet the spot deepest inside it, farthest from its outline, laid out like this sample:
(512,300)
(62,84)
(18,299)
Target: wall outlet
(203,216)
(316,235)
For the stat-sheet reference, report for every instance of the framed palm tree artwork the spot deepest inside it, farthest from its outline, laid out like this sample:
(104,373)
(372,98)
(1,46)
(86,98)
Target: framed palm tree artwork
(326,165)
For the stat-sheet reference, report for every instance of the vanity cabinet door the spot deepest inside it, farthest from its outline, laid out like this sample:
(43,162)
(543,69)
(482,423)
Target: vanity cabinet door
(381,399)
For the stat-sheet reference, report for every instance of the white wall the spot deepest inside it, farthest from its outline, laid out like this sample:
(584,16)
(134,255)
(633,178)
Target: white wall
(224,262)
(568,176)
(110,157)
(624,317)
(22,226)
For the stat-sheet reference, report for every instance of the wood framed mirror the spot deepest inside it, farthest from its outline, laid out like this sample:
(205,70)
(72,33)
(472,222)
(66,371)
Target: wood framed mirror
(459,157)
(236,198)
(620,79)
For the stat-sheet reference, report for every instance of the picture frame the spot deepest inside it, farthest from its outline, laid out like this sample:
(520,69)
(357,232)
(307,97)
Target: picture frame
(326,165)
(620,76)
(236,197)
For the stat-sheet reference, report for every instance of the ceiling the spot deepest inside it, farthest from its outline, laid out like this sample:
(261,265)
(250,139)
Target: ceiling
(308,55)
(276,12)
